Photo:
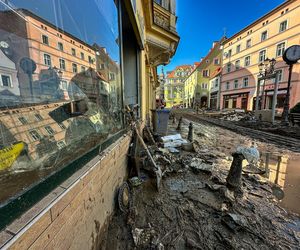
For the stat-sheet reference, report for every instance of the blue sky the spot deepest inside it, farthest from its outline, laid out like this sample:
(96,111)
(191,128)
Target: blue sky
(200,22)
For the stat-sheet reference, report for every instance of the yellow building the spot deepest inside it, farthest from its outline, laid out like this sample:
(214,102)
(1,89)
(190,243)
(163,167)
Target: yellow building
(174,86)
(266,37)
(197,83)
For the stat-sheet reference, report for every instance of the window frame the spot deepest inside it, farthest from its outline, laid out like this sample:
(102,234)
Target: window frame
(286,28)
(38,137)
(228,67)
(62,61)
(73,51)
(236,81)
(10,80)
(285,46)
(49,65)
(60,46)
(49,130)
(47,38)
(74,66)
(249,46)
(227,87)
(261,36)
(237,64)
(245,60)
(259,61)
(244,85)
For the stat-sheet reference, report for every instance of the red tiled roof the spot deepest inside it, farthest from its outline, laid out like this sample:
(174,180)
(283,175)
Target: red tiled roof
(216,72)
(184,67)
(204,59)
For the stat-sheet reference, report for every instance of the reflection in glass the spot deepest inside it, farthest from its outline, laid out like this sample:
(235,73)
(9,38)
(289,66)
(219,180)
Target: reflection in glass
(60,90)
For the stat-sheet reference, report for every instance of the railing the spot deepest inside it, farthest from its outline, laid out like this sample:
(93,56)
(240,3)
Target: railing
(164,14)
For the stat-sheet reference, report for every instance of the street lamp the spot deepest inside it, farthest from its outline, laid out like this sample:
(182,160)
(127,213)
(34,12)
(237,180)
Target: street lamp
(267,71)
(291,56)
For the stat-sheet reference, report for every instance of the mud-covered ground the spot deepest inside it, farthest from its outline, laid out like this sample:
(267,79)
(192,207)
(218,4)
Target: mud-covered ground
(195,210)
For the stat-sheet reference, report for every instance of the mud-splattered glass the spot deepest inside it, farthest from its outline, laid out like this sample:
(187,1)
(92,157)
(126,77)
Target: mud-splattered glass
(60,88)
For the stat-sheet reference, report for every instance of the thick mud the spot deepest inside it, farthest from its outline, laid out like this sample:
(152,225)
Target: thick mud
(195,210)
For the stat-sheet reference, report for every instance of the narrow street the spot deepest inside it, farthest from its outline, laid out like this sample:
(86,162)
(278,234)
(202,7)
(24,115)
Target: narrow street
(195,210)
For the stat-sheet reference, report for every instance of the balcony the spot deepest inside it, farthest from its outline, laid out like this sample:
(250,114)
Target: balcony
(164,15)
(161,36)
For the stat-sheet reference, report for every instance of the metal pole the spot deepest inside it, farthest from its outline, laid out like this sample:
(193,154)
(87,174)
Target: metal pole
(274,103)
(263,96)
(286,106)
(257,95)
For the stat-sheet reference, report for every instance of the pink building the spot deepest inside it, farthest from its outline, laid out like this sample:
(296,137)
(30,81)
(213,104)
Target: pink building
(267,37)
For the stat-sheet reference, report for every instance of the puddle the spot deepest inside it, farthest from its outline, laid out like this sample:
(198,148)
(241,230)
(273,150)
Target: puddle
(285,172)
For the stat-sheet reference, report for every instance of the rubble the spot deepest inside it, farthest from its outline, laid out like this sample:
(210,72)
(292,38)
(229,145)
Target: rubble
(194,210)
(237,115)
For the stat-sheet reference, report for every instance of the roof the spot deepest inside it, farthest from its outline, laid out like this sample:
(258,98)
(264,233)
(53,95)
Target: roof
(216,72)
(184,67)
(284,4)
(216,44)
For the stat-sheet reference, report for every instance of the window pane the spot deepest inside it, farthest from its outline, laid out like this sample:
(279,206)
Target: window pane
(60,104)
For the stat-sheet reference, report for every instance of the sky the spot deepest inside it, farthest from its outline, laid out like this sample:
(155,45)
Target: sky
(201,22)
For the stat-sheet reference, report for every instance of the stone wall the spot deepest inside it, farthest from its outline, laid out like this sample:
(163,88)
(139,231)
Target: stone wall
(76,213)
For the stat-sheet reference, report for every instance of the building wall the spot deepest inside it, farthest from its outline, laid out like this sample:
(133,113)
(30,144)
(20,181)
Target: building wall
(76,213)
(290,11)
(174,87)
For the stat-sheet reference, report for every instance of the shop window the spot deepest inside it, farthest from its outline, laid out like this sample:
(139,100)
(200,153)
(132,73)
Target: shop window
(48,95)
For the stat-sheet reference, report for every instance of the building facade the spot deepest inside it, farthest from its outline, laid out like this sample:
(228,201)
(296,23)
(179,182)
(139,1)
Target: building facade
(197,84)
(64,140)
(174,86)
(214,90)
(267,37)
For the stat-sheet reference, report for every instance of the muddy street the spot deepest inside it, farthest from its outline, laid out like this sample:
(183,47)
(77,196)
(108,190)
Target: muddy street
(195,210)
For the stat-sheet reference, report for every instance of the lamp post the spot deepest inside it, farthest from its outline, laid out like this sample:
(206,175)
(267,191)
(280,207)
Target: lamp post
(291,56)
(267,71)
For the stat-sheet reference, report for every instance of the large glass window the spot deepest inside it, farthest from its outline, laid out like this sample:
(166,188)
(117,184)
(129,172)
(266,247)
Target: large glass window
(55,106)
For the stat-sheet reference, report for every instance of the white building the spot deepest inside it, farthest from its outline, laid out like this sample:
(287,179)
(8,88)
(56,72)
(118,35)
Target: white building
(9,84)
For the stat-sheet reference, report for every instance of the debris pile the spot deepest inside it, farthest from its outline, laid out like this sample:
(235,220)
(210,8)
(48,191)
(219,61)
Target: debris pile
(237,115)
(196,209)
